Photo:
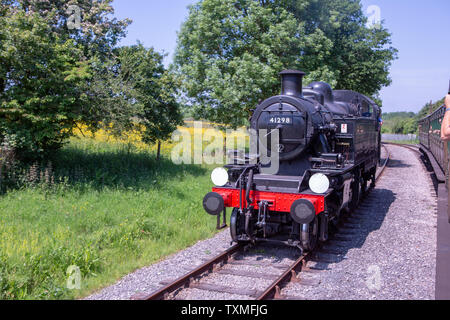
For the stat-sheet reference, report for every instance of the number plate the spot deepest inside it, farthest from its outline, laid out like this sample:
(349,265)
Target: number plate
(283,120)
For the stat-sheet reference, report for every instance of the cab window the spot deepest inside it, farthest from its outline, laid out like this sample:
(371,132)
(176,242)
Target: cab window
(366,109)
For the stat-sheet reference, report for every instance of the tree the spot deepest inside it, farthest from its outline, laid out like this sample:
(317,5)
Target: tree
(40,73)
(229,55)
(98,32)
(230,51)
(410,126)
(358,58)
(428,109)
(49,72)
(153,92)
(54,77)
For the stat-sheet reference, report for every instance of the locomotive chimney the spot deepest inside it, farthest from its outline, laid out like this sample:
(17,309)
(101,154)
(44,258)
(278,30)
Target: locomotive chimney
(292,82)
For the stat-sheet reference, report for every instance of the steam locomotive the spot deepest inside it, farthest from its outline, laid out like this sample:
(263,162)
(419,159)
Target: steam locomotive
(329,149)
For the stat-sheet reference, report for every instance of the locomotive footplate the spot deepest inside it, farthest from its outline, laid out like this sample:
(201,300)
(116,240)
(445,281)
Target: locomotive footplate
(276,183)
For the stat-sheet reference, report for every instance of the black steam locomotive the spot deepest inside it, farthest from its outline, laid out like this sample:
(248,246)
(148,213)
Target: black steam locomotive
(329,149)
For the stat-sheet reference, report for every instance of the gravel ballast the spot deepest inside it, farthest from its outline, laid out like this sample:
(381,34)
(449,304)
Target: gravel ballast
(393,256)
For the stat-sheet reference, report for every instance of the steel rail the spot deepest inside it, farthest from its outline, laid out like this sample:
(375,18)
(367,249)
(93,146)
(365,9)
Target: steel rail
(412,147)
(382,169)
(185,280)
(290,275)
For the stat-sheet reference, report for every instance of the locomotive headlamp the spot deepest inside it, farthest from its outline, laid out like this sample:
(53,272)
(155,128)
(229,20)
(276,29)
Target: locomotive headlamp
(213,203)
(319,183)
(303,211)
(219,177)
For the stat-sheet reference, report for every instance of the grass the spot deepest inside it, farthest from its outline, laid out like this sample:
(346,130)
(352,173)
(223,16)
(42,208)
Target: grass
(108,209)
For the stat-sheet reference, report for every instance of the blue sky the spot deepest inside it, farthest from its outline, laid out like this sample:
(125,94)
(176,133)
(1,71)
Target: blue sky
(420,31)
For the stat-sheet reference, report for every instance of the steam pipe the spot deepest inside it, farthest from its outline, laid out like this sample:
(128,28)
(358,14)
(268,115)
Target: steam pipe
(248,214)
(249,187)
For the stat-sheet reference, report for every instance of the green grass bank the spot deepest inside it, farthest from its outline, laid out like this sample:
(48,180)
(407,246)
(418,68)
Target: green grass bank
(102,207)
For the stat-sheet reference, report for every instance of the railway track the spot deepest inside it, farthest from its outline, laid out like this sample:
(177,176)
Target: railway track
(291,274)
(412,147)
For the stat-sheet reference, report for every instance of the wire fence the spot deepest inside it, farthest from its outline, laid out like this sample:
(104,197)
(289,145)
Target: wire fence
(399,137)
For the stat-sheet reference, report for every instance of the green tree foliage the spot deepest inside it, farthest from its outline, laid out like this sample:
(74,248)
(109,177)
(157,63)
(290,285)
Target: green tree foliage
(358,58)
(407,122)
(98,32)
(410,126)
(47,69)
(153,91)
(230,51)
(400,123)
(401,114)
(40,74)
(54,76)
(427,109)
(401,126)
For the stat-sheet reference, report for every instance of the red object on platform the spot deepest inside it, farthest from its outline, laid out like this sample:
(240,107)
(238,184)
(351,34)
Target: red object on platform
(278,201)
